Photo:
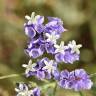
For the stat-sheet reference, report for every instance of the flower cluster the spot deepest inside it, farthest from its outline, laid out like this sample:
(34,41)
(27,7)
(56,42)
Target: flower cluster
(77,80)
(42,69)
(43,39)
(67,54)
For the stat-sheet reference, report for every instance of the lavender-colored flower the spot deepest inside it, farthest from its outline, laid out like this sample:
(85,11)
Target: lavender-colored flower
(36,92)
(70,57)
(64,79)
(35,52)
(67,57)
(80,80)
(43,38)
(35,49)
(56,74)
(67,54)
(43,68)
(59,57)
(77,80)
(55,19)
(49,47)
(30,31)
(34,25)
(46,68)
(54,24)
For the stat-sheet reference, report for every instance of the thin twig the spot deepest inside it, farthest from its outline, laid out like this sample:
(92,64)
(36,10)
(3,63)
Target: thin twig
(10,76)
(54,93)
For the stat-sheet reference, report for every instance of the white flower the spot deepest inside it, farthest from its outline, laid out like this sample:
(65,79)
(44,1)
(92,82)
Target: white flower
(22,90)
(49,66)
(74,48)
(24,93)
(34,19)
(29,67)
(60,48)
(52,37)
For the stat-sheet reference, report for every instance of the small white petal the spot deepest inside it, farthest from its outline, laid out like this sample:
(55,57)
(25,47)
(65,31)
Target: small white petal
(65,30)
(56,46)
(24,65)
(48,35)
(79,46)
(30,61)
(17,90)
(46,63)
(26,31)
(73,42)
(27,17)
(21,86)
(33,15)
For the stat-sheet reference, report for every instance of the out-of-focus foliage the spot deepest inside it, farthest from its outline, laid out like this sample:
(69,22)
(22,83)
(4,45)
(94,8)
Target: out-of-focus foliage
(79,18)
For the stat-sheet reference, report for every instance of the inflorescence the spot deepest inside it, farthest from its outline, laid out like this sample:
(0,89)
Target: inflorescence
(43,39)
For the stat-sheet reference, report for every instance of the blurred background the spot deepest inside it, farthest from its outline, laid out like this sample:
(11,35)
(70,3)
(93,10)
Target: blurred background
(79,18)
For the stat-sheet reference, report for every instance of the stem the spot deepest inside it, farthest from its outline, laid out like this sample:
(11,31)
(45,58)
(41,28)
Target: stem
(47,85)
(54,93)
(10,76)
(81,94)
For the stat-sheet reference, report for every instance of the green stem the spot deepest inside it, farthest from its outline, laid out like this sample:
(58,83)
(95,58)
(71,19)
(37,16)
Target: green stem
(81,94)
(54,93)
(48,85)
(10,76)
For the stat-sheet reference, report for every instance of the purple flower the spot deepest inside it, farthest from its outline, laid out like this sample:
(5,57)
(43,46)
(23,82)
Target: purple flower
(43,38)
(80,80)
(34,25)
(35,49)
(68,57)
(55,19)
(54,24)
(77,80)
(36,92)
(46,68)
(67,54)
(64,79)
(50,48)
(43,68)
(30,31)
(59,57)
(56,75)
